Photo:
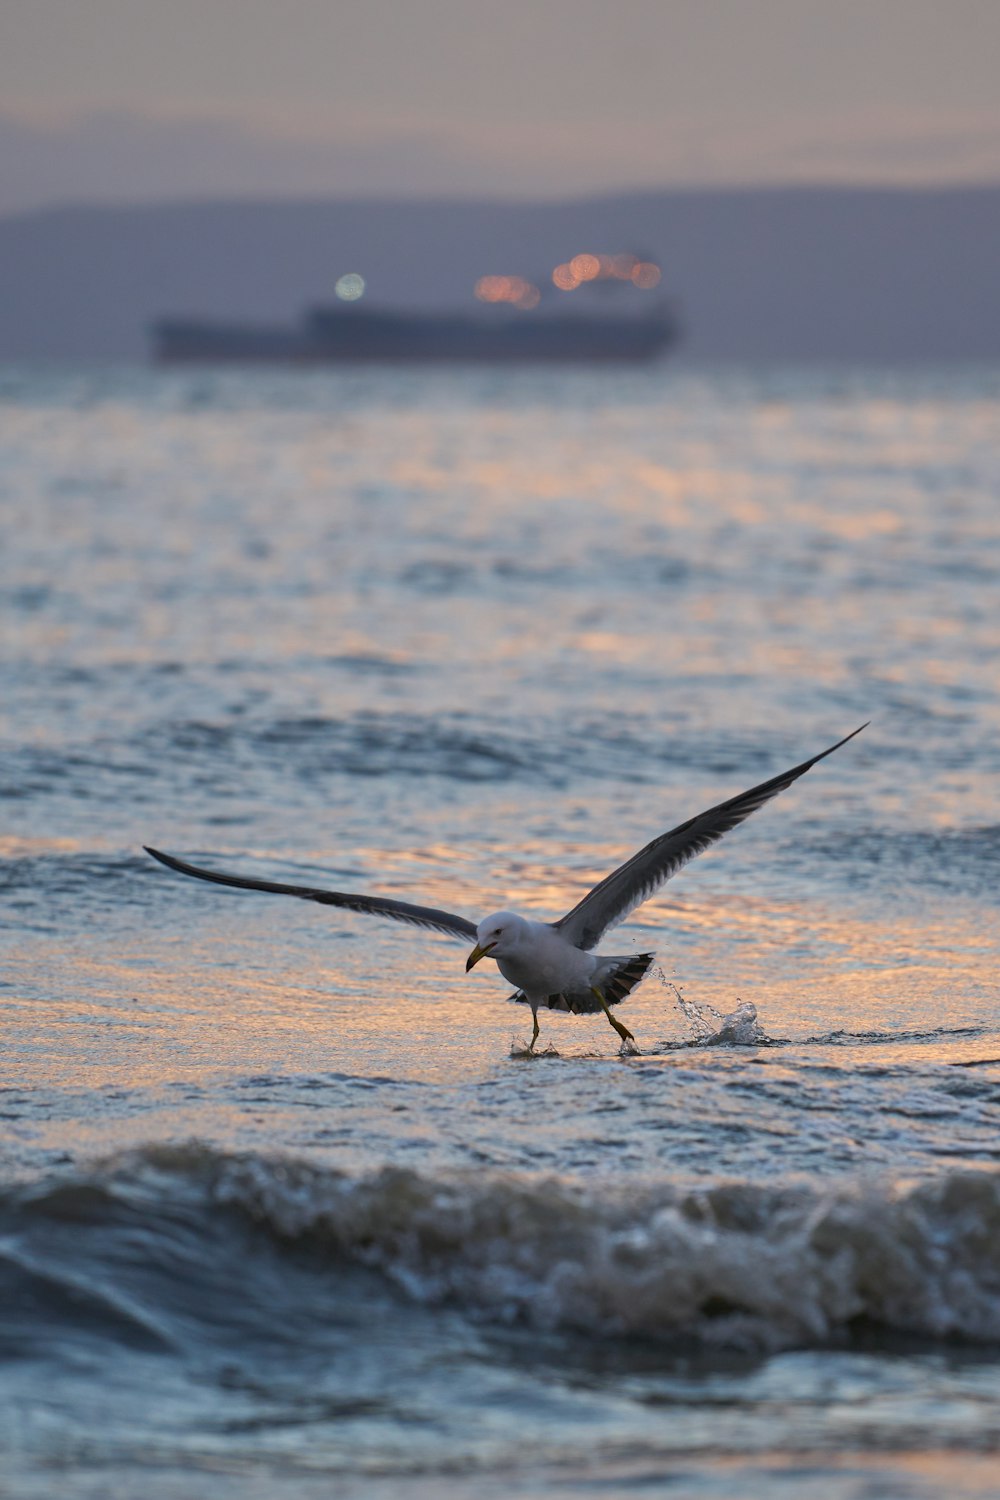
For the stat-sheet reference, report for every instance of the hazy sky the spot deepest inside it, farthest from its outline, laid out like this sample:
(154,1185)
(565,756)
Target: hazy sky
(124,99)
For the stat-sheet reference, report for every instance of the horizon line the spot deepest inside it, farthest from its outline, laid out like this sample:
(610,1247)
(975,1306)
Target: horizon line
(526,199)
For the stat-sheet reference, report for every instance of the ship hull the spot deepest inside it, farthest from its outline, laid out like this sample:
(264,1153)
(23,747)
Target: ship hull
(397,338)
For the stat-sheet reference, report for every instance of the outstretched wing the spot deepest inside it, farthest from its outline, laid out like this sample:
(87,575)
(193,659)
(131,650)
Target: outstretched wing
(634,882)
(378,906)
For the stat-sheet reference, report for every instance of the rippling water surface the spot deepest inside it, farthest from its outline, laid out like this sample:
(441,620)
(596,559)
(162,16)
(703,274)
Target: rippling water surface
(282,1207)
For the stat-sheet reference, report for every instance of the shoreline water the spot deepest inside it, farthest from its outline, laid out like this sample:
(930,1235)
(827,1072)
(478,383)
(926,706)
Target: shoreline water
(280,1207)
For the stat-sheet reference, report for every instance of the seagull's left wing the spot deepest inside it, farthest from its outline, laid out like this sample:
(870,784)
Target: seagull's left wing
(634,882)
(378,906)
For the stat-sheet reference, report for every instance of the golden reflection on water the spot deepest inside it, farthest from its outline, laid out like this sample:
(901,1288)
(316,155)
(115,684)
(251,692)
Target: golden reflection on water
(700,493)
(955,1473)
(21,846)
(305,991)
(697,504)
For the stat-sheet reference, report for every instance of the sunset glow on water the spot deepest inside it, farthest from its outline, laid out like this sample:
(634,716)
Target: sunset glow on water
(470,640)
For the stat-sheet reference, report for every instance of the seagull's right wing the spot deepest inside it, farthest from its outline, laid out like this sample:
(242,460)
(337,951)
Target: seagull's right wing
(619,893)
(378,906)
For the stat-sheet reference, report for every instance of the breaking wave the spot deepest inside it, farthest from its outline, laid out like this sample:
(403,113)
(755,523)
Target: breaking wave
(740,1264)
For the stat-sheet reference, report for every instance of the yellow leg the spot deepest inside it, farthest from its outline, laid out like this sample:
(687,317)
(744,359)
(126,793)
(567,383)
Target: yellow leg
(622,1031)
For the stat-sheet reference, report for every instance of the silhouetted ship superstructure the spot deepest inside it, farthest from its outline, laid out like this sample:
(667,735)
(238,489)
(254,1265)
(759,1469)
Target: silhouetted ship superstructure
(508,332)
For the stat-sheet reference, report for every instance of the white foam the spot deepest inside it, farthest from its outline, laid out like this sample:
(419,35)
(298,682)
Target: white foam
(742,1264)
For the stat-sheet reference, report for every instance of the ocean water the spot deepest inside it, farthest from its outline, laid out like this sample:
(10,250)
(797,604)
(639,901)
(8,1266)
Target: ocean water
(284,1207)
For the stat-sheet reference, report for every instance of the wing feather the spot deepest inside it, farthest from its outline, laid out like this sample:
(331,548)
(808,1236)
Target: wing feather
(619,893)
(377,906)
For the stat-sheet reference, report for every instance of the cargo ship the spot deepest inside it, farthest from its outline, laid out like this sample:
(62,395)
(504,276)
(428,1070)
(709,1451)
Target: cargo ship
(358,335)
(508,330)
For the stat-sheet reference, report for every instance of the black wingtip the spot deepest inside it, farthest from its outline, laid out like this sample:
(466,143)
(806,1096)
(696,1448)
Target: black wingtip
(164,859)
(824,753)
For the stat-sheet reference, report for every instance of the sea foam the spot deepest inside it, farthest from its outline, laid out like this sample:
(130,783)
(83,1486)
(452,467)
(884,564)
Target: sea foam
(739,1264)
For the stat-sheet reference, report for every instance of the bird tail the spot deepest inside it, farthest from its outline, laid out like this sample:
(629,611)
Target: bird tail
(616,978)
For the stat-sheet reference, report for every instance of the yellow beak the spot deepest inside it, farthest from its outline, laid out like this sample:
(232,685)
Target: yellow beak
(476,954)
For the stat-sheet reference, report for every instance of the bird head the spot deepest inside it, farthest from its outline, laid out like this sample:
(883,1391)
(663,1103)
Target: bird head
(496,936)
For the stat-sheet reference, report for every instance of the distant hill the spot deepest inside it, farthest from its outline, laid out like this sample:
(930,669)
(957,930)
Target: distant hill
(800,274)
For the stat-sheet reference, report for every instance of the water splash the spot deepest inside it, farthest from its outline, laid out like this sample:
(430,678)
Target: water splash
(522,1050)
(740,1028)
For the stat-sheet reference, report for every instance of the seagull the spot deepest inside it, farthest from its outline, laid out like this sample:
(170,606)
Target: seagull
(553,963)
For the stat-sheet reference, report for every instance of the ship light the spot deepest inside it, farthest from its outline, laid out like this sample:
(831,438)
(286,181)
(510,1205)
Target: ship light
(513,289)
(565,278)
(585,267)
(645,275)
(623,265)
(350,287)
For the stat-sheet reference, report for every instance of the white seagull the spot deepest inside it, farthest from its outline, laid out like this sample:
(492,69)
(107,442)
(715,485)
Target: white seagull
(552,963)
